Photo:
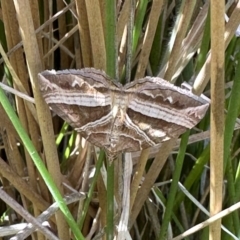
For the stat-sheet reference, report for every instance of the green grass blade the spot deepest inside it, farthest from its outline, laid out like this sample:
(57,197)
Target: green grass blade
(174,185)
(138,23)
(233,110)
(112,72)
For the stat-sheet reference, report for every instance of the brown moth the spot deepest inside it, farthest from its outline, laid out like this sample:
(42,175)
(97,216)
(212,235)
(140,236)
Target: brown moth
(118,118)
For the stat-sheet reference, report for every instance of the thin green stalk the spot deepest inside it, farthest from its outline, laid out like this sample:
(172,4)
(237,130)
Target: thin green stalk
(237,179)
(110,200)
(163,201)
(67,151)
(194,175)
(62,133)
(174,186)
(231,49)
(129,42)
(69,146)
(156,51)
(91,190)
(110,38)
(111,70)
(137,30)
(205,44)
(231,193)
(232,114)
(39,164)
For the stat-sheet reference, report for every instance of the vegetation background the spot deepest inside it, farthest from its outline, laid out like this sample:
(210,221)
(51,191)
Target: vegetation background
(158,193)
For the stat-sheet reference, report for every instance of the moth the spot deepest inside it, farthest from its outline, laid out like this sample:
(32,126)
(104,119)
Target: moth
(118,118)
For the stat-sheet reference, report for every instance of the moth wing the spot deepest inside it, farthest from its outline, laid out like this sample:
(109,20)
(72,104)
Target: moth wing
(80,97)
(162,111)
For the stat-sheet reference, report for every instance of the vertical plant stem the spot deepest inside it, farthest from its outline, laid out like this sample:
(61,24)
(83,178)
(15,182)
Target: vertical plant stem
(96,33)
(110,199)
(217,113)
(91,190)
(138,23)
(110,39)
(232,114)
(111,70)
(174,185)
(129,41)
